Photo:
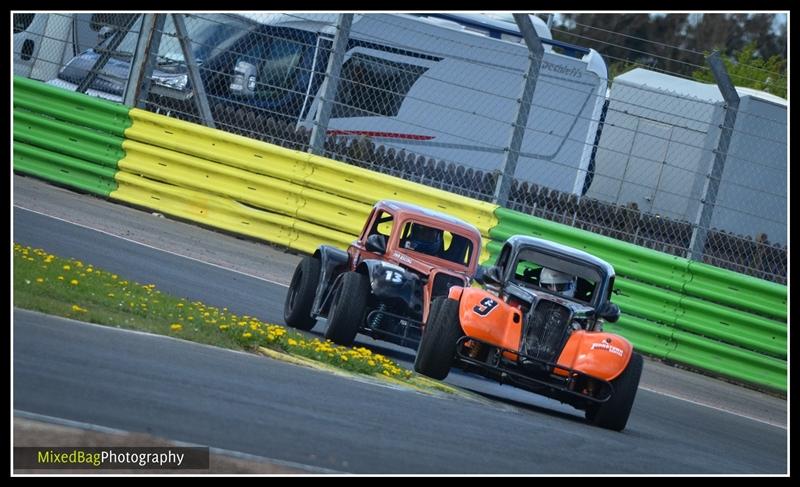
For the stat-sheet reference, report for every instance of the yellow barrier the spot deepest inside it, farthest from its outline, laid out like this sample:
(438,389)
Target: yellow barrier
(327,198)
(215,145)
(263,192)
(220,212)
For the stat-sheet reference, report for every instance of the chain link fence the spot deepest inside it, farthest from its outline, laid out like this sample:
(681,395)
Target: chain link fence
(433,99)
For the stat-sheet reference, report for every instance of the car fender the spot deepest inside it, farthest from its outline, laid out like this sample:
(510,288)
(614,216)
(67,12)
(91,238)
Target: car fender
(486,317)
(599,354)
(393,284)
(333,262)
(455,292)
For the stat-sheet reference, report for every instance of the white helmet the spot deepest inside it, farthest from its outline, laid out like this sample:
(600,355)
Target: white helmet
(563,284)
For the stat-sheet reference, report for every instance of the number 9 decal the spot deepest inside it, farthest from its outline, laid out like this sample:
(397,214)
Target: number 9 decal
(485,307)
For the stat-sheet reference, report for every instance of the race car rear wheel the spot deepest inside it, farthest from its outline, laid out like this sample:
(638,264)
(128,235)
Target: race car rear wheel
(300,298)
(613,414)
(348,308)
(438,346)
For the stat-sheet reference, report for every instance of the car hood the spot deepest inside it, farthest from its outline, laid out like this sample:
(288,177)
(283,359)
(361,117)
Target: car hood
(114,74)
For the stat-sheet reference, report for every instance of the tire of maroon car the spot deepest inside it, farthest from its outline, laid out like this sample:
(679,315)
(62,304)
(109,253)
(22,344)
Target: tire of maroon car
(300,298)
(613,414)
(438,346)
(348,308)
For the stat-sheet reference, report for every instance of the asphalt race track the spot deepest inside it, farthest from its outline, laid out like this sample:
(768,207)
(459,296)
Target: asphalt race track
(251,404)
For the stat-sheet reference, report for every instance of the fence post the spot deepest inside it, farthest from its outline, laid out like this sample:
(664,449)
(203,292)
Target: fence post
(330,85)
(711,187)
(199,94)
(113,44)
(535,54)
(142,63)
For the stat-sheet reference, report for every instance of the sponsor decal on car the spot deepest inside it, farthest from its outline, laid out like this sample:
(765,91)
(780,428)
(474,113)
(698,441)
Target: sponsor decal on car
(402,258)
(608,347)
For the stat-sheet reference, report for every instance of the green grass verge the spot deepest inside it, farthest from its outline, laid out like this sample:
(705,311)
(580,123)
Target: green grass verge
(74,289)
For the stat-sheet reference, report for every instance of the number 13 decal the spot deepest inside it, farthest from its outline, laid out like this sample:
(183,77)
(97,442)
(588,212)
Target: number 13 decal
(486,306)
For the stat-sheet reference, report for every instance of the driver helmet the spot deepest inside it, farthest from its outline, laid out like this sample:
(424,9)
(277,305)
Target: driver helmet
(424,239)
(559,282)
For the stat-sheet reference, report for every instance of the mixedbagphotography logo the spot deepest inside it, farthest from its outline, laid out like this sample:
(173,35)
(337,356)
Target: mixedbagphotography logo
(195,458)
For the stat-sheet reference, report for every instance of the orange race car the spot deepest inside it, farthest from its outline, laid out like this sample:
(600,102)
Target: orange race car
(538,326)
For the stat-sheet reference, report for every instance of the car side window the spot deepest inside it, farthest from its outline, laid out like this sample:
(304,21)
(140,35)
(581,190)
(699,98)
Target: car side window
(585,290)
(383,226)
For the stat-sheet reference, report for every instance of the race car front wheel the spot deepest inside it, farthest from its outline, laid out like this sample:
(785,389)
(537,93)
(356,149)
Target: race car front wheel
(300,298)
(613,414)
(348,308)
(438,346)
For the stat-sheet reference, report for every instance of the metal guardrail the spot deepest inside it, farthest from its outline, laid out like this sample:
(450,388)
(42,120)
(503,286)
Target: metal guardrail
(67,138)
(71,107)
(320,192)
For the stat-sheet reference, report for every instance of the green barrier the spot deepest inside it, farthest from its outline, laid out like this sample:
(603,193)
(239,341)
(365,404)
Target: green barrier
(63,169)
(737,290)
(629,260)
(57,136)
(646,336)
(730,326)
(729,361)
(648,302)
(702,318)
(69,106)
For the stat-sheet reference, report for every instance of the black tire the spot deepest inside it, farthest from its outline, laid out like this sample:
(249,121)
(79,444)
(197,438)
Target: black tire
(613,414)
(348,308)
(438,346)
(300,298)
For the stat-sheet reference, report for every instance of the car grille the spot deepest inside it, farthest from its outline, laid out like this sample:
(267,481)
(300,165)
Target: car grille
(546,330)
(442,284)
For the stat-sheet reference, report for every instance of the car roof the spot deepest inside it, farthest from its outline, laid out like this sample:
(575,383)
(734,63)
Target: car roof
(554,247)
(403,207)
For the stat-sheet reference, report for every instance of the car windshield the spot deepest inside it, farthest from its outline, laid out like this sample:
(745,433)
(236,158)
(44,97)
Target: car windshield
(208,32)
(565,278)
(436,242)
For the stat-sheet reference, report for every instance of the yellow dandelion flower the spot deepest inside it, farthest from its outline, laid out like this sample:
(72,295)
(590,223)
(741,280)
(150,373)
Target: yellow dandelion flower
(371,363)
(39,280)
(246,334)
(344,358)
(113,276)
(223,327)
(66,267)
(110,295)
(74,282)
(60,278)
(292,342)
(176,327)
(78,309)
(180,305)
(89,269)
